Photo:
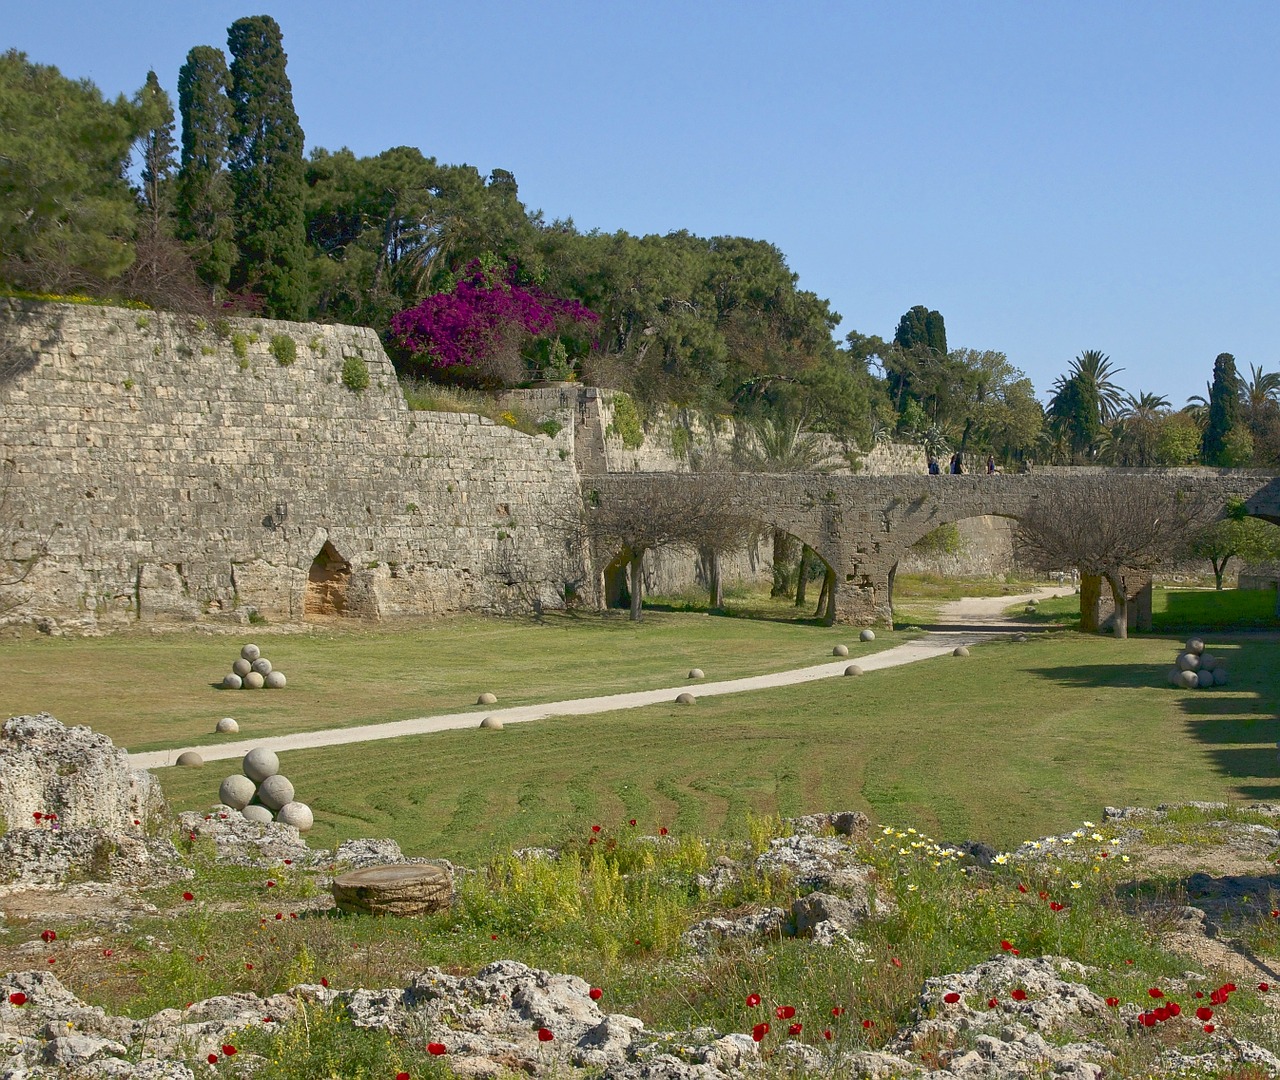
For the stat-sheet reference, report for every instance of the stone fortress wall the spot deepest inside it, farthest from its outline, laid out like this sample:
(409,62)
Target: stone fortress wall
(176,468)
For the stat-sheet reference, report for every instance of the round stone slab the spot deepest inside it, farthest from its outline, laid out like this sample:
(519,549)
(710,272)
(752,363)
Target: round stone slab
(491,723)
(250,653)
(227,726)
(487,699)
(840,650)
(259,763)
(395,889)
(190,758)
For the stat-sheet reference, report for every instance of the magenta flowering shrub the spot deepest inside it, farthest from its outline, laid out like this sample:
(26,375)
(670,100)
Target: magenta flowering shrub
(488,314)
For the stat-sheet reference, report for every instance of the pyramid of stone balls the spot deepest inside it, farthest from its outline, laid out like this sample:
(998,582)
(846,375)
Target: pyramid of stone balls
(253,671)
(1197,668)
(261,794)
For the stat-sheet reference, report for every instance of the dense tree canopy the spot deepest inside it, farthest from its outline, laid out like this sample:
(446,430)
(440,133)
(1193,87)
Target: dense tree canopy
(204,196)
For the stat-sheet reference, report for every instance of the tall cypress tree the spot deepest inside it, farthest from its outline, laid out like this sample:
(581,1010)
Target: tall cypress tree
(204,197)
(267,170)
(1217,445)
(157,150)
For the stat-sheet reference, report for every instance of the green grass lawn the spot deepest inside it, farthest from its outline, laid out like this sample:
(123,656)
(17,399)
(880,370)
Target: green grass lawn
(1017,741)
(156,691)
(1177,610)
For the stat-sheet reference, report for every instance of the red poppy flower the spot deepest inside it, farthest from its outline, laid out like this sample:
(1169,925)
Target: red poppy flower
(595,828)
(493,937)
(1264,987)
(1128,961)
(268,1019)
(1209,1029)
(188,896)
(17,998)
(293,914)
(837,1010)
(200,959)
(1147,1019)
(48,935)
(595,993)
(228,1049)
(248,967)
(951,998)
(1103,854)
(1156,992)
(795,1029)
(895,961)
(36,814)
(1021,888)
(1162,1013)
(868,1024)
(1199,993)
(753,1000)
(784,1012)
(1218,997)
(1055,906)
(54,817)
(827,1034)
(592,840)
(1113,1001)
(53,959)
(107,952)
(662,831)
(270,884)
(1204,1013)
(212,1059)
(760,1031)
(1275,914)
(436,1049)
(324,981)
(1018,995)
(992,1003)
(1006,945)
(1044,895)
(632,822)
(1229,987)
(1174,1009)
(544,1035)
(402,1076)
(288,862)
(279,914)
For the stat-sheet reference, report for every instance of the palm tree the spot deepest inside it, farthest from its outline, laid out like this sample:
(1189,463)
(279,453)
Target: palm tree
(1197,406)
(1262,388)
(1134,434)
(1094,365)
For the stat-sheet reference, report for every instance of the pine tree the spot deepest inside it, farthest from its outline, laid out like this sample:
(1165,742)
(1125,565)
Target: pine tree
(267,170)
(1218,447)
(156,149)
(204,197)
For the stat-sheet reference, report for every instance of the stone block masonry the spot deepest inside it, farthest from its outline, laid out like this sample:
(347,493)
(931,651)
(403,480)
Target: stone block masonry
(175,468)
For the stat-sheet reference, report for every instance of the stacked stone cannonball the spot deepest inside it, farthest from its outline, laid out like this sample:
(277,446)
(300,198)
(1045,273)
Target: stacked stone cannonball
(1197,668)
(253,671)
(260,793)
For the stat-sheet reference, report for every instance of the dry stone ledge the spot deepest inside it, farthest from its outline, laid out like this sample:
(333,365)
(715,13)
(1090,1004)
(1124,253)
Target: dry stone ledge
(396,889)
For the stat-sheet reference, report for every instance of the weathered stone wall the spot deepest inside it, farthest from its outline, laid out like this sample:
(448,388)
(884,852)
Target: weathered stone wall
(176,469)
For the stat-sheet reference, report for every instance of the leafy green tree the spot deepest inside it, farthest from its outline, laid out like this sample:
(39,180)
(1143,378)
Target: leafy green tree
(1222,444)
(921,327)
(1084,401)
(1260,410)
(1236,536)
(916,365)
(204,197)
(1177,440)
(1135,434)
(156,149)
(67,216)
(267,170)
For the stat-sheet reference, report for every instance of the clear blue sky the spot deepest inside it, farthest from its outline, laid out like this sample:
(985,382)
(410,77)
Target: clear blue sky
(1051,177)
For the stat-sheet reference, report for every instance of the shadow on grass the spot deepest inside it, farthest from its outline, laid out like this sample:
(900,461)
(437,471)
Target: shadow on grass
(732,612)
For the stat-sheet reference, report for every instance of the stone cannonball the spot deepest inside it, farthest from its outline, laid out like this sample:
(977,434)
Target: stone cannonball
(236,791)
(1195,645)
(1019,637)
(686,699)
(867,635)
(274,681)
(254,812)
(232,681)
(1204,678)
(1219,676)
(487,699)
(1175,676)
(259,763)
(227,726)
(853,669)
(262,666)
(275,791)
(696,673)
(840,650)
(1208,661)
(297,814)
(190,758)
(1190,679)
(960,650)
(1189,661)
(491,723)
(242,667)
(250,653)
(254,681)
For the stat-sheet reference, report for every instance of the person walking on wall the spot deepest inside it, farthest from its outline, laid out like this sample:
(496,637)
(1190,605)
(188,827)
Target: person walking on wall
(991,464)
(957,464)
(934,470)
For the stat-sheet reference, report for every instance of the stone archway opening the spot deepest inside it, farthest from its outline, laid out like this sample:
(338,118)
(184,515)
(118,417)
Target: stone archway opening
(327,583)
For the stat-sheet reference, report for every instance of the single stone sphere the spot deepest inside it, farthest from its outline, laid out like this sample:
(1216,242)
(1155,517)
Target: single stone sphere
(1219,676)
(190,758)
(275,791)
(491,723)
(959,650)
(242,667)
(297,814)
(250,653)
(696,673)
(1175,676)
(840,650)
(236,791)
(853,669)
(262,666)
(1019,637)
(867,635)
(1195,645)
(1208,661)
(1204,678)
(487,699)
(227,726)
(686,699)
(254,812)
(1189,661)
(1190,679)
(232,681)
(274,681)
(254,681)
(259,763)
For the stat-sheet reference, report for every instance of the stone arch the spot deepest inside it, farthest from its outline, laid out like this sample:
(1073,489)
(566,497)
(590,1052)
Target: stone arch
(327,583)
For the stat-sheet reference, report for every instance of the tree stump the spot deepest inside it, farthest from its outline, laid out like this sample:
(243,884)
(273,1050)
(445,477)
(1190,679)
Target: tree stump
(394,889)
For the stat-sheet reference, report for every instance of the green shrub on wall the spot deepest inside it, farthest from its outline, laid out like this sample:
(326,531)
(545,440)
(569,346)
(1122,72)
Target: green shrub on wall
(284,349)
(626,422)
(355,374)
(944,540)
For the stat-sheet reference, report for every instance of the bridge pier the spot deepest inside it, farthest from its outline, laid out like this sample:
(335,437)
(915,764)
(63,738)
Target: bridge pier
(864,600)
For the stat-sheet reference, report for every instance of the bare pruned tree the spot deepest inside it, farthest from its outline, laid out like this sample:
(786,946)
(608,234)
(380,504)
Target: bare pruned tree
(1107,525)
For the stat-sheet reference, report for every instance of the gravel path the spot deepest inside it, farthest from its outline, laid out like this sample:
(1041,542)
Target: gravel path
(981,619)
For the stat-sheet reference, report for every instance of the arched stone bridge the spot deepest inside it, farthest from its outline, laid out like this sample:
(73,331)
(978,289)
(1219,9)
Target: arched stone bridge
(862,525)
